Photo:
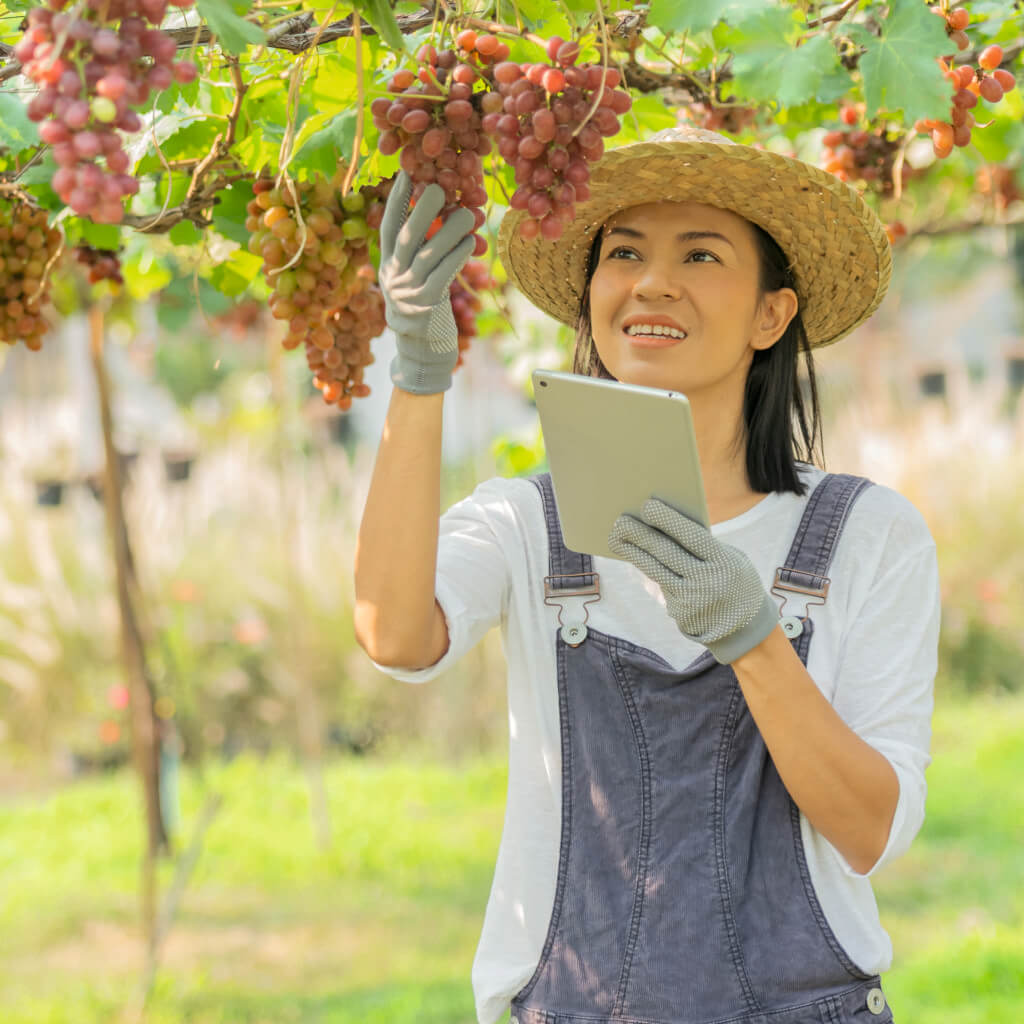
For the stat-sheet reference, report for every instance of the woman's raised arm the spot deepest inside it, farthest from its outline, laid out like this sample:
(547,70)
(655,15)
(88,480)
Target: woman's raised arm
(397,619)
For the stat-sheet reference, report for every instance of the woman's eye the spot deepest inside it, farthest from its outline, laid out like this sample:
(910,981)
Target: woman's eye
(696,256)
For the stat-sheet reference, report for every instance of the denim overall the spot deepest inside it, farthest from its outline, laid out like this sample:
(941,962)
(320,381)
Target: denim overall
(683,895)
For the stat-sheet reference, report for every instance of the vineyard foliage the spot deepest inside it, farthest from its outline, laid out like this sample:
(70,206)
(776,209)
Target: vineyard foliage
(914,104)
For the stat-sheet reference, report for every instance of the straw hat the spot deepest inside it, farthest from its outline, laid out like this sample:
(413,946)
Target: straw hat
(835,243)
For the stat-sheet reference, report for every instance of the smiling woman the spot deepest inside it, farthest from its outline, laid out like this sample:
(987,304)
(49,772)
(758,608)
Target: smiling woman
(747,260)
(697,791)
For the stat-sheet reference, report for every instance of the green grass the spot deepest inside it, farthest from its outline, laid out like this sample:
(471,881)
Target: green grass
(381,928)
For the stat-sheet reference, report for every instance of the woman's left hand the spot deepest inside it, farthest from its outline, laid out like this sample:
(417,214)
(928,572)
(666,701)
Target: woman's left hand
(711,589)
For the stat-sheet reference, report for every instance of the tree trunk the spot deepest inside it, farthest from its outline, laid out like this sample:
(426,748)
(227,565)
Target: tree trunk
(144,724)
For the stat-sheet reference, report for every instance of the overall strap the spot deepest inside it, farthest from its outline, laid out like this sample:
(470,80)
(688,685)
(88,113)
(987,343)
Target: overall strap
(561,561)
(571,583)
(809,558)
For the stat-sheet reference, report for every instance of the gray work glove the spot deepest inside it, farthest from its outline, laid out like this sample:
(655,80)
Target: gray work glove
(415,277)
(711,589)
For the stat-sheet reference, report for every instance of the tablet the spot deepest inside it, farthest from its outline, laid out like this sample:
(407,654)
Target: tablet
(610,447)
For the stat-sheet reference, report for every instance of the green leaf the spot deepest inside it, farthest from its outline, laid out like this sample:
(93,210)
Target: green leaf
(700,15)
(790,76)
(379,14)
(230,212)
(17,132)
(323,149)
(40,173)
(101,236)
(233,32)
(233,275)
(899,69)
(144,274)
(185,233)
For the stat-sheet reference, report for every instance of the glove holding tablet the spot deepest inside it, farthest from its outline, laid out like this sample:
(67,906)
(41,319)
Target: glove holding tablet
(711,589)
(627,481)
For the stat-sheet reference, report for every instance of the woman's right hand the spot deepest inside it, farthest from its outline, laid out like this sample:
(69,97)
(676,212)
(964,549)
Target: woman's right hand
(415,277)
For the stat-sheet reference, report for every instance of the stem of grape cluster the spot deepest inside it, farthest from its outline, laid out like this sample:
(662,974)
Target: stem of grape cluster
(357,34)
(600,91)
(49,265)
(495,28)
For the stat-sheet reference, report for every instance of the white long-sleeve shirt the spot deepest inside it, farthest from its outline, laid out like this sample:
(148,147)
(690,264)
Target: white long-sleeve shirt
(873,655)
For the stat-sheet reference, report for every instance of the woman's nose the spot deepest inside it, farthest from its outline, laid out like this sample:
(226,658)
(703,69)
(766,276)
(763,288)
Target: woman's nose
(656,281)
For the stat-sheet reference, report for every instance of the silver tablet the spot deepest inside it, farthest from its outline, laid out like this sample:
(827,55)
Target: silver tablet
(610,447)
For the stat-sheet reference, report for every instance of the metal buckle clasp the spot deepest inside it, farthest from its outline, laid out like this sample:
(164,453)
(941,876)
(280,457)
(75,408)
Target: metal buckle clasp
(790,581)
(584,586)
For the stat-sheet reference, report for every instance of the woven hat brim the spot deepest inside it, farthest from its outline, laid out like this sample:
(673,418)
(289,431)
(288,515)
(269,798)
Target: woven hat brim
(835,243)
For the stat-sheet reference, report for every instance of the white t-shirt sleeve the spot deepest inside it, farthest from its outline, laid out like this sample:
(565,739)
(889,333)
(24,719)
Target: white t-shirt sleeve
(889,651)
(473,580)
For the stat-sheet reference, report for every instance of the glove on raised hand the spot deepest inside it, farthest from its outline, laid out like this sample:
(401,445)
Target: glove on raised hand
(415,276)
(711,589)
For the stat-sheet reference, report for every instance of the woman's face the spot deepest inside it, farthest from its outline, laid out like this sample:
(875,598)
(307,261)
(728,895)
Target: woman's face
(693,268)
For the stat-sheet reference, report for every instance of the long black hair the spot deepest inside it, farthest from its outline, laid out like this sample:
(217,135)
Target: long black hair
(782,424)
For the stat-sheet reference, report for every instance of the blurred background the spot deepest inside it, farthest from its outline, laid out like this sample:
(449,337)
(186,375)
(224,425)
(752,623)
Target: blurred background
(325,836)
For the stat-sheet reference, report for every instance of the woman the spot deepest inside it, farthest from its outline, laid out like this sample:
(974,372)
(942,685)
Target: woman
(700,790)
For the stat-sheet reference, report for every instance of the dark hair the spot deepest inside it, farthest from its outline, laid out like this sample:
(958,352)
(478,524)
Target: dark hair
(774,404)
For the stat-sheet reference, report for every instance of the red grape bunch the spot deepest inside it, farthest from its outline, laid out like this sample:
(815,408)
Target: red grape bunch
(102,264)
(27,246)
(470,283)
(1000,182)
(552,124)
(338,371)
(969,84)
(326,295)
(956,21)
(434,123)
(853,153)
(722,117)
(93,64)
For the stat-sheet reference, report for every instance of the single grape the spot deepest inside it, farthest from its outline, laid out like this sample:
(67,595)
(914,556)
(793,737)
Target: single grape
(991,57)
(990,90)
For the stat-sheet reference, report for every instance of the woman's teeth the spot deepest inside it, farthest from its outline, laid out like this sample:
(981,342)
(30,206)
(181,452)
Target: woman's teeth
(655,329)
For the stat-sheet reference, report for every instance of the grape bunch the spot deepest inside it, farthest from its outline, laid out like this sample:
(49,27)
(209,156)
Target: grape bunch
(852,153)
(93,64)
(722,117)
(956,21)
(27,247)
(316,258)
(896,231)
(338,370)
(551,126)
(988,82)
(1000,182)
(470,283)
(102,264)
(434,122)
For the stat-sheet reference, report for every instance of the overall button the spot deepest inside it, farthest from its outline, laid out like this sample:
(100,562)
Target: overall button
(791,626)
(573,634)
(876,1001)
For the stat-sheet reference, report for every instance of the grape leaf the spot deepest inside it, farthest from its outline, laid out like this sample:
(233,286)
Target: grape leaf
(700,15)
(144,275)
(232,276)
(323,149)
(185,233)
(898,67)
(777,71)
(379,14)
(233,32)
(17,132)
(100,236)
(230,212)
